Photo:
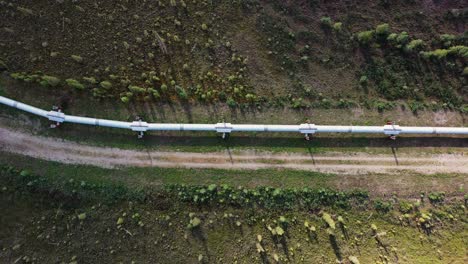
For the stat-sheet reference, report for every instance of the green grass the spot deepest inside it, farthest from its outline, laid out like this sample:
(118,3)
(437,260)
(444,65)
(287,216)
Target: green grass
(44,224)
(148,178)
(156,177)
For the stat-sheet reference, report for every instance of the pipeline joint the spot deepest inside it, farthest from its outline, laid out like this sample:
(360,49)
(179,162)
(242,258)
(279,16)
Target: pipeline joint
(307,128)
(223,128)
(56,116)
(139,126)
(392,129)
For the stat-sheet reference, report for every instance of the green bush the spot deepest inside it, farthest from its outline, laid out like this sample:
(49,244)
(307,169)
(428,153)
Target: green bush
(338,26)
(106,85)
(231,102)
(447,39)
(345,103)
(68,189)
(438,54)
(365,37)
(436,197)
(398,40)
(415,45)
(464,108)
(266,197)
(181,92)
(90,80)
(363,80)
(405,207)
(77,58)
(382,29)
(136,89)
(194,223)
(392,37)
(298,103)
(461,51)
(18,76)
(402,38)
(75,84)
(416,106)
(465,71)
(326,22)
(329,220)
(383,206)
(51,81)
(384,105)
(156,94)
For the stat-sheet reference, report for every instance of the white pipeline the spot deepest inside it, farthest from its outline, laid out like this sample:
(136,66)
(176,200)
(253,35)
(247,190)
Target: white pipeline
(141,126)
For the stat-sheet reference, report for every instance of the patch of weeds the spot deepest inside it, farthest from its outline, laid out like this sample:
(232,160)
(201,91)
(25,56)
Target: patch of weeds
(265,197)
(383,206)
(49,81)
(75,84)
(405,207)
(436,197)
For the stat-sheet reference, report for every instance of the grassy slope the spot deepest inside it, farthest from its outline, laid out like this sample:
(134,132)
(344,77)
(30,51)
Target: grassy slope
(406,185)
(44,225)
(98,238)
(274,36)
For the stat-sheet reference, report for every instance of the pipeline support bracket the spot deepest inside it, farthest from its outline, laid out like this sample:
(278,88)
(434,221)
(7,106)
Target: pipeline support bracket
(307,128)
(223,128)
(392,129)
(56,116)
(139,126)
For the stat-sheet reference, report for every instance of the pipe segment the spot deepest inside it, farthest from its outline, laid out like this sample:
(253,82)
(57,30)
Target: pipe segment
(141,126)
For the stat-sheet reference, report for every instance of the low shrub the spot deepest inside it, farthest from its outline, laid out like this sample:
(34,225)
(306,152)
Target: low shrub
(136,89)
(398,40)
(329,220)
(365,37)
(125,99)
(414,45)
(382,30)
(405,207)
(447,39)
(326,22)
(49,81)
(75,84)
(266,197)
(338,26)
(77,58)
(383,206)
(384,105)
(106,85)
(68,189)
(438,54)
(461,51)
(416,106)
(436,197)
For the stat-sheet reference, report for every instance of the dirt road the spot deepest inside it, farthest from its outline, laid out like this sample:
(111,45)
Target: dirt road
(356,163)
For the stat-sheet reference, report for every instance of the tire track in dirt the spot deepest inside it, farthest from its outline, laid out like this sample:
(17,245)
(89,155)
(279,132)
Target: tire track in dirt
(341,163)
